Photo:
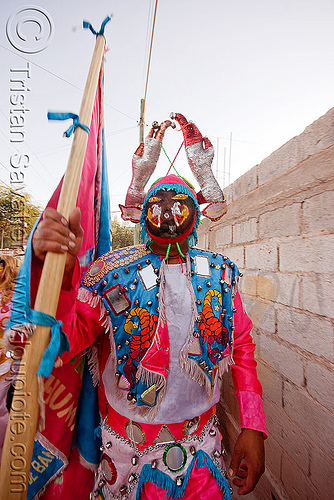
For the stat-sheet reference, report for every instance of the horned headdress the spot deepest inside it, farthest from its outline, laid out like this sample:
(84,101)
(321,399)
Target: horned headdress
(200,153)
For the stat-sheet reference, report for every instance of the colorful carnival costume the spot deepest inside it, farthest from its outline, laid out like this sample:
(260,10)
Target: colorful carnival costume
(169,333)
(161,323)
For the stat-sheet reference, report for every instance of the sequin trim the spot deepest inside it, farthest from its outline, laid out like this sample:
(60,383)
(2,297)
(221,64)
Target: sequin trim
(193,437)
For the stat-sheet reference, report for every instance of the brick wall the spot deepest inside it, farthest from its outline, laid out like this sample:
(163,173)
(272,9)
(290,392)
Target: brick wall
(279,230)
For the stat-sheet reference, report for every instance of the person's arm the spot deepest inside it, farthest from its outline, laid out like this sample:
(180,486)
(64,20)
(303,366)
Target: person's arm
(81,322)
(82,325)
(56,234)
(247,462)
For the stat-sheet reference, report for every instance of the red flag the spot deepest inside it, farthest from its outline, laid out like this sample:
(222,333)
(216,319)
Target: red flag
(55,461)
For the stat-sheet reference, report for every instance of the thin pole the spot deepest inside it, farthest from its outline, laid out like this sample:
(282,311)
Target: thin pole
(142,120)
(143,101)
(229,160)
(224,166)
(136,233)
(151,46)
(20,434)
(217,163)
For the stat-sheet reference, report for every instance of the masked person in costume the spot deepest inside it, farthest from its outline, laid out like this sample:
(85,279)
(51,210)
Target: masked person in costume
(166,321)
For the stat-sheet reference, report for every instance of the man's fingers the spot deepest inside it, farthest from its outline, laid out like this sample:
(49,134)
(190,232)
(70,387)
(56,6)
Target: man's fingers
(45,237)
(42,247)
(241,472)
(53,232)
(74,223)
(51,213)
(250,448)
(238,482)
(246,480)
(235,462)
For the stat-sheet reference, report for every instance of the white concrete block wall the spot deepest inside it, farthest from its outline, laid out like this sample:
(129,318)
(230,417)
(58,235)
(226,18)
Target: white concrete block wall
(279,229)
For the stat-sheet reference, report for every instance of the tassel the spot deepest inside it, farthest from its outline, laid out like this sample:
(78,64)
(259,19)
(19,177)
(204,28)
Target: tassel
(10,336)
(93,364)
(163,481)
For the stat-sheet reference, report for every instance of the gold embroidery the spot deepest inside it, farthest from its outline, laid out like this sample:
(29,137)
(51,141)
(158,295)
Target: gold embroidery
(112,260)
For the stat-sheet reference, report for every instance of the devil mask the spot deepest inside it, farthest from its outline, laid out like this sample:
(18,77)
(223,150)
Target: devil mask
(170,212)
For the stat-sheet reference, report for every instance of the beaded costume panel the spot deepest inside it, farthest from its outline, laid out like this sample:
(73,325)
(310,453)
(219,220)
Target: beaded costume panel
(129,283)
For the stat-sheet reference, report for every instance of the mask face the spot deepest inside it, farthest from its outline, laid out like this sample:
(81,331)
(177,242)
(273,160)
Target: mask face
(169,214)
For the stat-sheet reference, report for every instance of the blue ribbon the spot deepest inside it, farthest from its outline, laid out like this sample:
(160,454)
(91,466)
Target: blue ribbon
(22,313)
(58,343)
(86,24)
(67,116)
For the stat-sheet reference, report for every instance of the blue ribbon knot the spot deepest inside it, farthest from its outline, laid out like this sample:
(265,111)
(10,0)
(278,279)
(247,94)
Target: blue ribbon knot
(67,116)
(58,343)
(88,25)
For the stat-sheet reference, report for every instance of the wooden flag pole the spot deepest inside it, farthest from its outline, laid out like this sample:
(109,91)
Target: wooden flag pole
(23,419)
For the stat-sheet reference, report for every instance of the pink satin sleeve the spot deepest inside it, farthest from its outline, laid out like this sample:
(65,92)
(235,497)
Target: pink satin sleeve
(252,412)
(67,298)
(247,386)
(81,321)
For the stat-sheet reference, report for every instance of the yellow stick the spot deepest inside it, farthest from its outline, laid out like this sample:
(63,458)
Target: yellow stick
(23,420)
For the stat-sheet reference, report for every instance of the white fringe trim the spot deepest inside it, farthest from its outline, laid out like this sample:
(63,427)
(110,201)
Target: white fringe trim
(148,377)
(195,372)
(224,365)
(189,365)
(162,313)
(93,364)
(88,297)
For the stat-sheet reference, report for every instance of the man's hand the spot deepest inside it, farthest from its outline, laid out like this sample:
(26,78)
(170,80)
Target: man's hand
(55,234)
(247,462)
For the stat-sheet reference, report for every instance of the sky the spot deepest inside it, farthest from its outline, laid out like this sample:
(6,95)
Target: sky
(250,74)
